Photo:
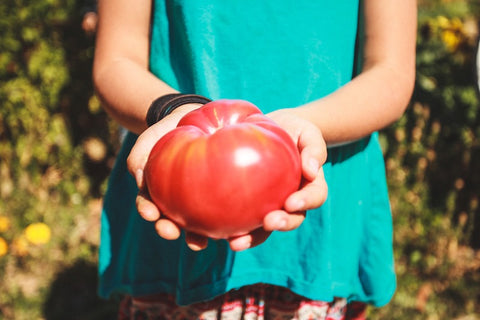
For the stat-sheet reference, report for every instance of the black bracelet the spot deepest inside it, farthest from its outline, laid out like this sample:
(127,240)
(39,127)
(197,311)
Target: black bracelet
(164,105)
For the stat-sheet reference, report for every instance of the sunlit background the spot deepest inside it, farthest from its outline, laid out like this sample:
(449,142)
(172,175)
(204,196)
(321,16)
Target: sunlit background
(57,147)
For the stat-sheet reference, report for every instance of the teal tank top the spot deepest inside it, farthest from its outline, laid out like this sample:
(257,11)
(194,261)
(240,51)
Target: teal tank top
(276,54)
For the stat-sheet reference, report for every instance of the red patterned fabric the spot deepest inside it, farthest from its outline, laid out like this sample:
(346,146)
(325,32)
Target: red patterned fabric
(256,302)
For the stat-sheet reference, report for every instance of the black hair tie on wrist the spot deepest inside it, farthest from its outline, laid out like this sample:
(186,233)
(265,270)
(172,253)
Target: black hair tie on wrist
(164,105)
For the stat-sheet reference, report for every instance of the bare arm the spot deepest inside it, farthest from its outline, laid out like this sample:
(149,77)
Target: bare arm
(379,95)
(369,102)
(120,70)
(126,88)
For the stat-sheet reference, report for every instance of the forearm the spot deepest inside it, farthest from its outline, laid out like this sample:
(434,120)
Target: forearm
(370,102)
(120,69)
(127,90)
(379,95)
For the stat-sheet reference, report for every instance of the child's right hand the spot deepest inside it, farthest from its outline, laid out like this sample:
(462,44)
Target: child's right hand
(136,161)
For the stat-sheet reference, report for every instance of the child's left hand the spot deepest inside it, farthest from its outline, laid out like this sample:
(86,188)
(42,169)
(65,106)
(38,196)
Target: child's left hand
(312,194)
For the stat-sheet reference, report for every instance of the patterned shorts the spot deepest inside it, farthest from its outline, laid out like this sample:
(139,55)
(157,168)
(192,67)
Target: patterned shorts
(257,302)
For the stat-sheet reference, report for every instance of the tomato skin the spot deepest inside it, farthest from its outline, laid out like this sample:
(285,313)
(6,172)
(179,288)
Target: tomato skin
(223,168)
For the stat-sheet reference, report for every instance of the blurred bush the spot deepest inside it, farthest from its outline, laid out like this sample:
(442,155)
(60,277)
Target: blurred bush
(433,163)
(57,147)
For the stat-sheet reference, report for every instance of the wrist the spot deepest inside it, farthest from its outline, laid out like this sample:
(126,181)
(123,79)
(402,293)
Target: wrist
(166,104)
(186,108)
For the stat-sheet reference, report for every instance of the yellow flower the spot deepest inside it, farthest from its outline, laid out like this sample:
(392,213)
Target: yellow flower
(4,223)
(3,247)
(450,39)
(443,22)
(38,233)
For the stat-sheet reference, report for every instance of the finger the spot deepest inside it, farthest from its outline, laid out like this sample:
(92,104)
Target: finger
(138,156)
(141,150)
(146,208)
(283,221)
(195,241)
(312,195)
(256,237)
(313,151)
(167,229)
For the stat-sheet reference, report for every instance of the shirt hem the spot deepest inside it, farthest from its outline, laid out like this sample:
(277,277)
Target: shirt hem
(311,290)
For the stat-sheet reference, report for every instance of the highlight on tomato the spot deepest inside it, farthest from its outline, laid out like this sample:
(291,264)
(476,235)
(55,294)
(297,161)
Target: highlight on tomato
(223,168)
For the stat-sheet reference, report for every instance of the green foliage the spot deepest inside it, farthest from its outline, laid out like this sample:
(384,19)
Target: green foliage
(433,163)
(48,120)
(57,147)
(34,136)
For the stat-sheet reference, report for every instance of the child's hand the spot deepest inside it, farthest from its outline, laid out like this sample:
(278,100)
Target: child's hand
(312,194)
(136,163)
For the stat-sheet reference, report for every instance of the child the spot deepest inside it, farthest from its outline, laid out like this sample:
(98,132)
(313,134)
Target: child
(296,60)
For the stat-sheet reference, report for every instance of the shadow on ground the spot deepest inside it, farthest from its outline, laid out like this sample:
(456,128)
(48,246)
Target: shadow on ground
(73,296)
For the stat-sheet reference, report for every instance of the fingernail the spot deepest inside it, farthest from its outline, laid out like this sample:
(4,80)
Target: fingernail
(243,244)
(139,177)
(281,224)
(297,204)
(149,215)
(313,164)
(145,211)
(195,247)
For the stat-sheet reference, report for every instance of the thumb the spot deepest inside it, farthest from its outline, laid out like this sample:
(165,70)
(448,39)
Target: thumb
(137,159)
(313,151)
(138,156)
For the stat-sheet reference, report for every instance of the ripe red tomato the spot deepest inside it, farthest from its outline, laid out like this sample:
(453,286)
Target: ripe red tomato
(223,168)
